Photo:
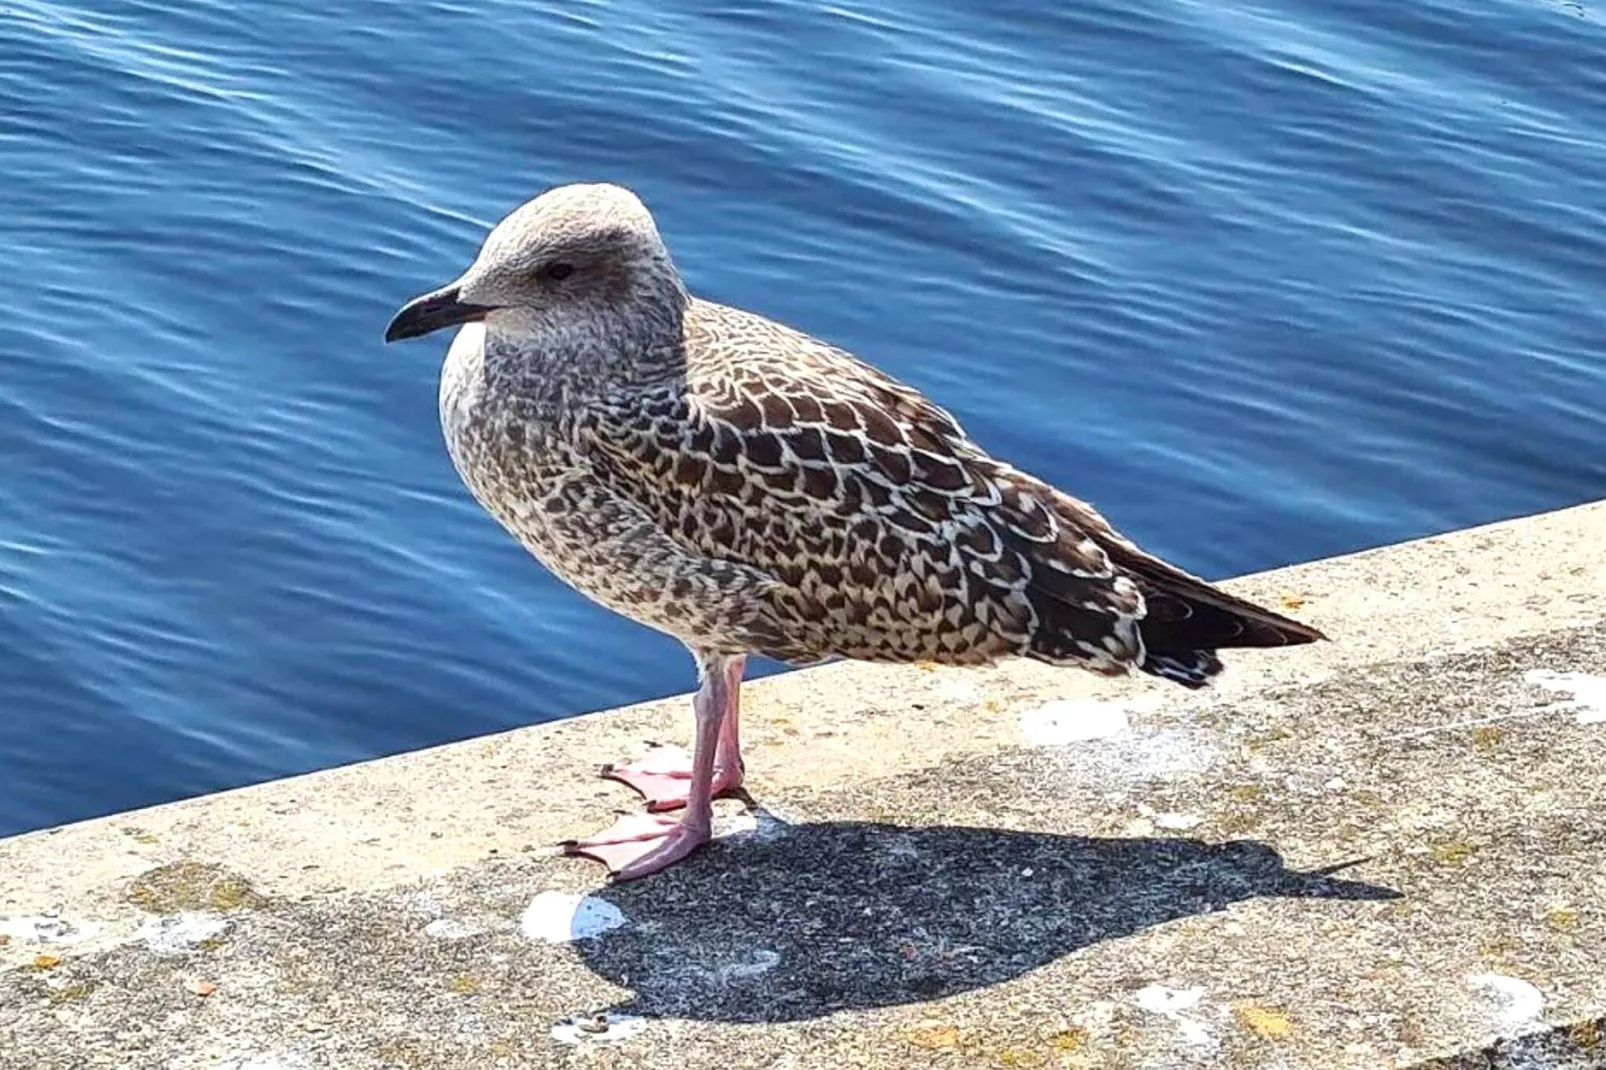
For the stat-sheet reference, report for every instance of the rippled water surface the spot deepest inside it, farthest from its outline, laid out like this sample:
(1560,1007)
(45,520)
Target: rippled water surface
(1265,281)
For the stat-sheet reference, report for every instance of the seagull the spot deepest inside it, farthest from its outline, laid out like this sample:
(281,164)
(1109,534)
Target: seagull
(749,489)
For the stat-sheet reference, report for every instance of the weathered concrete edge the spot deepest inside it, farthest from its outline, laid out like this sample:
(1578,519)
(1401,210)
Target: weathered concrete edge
(380,823)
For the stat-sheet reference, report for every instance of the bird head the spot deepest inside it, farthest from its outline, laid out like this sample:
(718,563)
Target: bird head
(577,257)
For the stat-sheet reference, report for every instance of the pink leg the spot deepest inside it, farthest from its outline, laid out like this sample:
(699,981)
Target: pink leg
(639,844)
(663,776)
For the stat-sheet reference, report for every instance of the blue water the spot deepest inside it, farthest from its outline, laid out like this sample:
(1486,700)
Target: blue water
(1265,281)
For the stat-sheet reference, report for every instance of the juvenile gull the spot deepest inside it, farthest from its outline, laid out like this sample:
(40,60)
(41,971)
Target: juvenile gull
(749,489)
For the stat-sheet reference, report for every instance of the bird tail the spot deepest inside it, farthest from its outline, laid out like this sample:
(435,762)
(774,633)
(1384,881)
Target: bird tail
(1153,617)
(1187,621)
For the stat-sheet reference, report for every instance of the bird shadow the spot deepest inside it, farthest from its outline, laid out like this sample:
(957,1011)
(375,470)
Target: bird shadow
(812,919)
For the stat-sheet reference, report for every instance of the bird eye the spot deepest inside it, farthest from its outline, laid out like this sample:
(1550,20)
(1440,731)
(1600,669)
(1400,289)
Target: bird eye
(558,272)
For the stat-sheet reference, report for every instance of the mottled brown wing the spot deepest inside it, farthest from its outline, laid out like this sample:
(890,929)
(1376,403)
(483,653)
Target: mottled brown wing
(890,534)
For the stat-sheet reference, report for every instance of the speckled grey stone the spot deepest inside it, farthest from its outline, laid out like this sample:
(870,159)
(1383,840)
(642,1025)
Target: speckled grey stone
(1396,863)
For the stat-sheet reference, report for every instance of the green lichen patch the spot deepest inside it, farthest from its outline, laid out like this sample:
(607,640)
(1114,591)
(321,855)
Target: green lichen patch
(192,886)
(72,993)
(1453,852)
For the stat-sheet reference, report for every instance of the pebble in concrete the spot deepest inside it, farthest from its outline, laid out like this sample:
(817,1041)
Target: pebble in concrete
(1516,1002)
(174,934)
(757,825)
(562,917)
(607,1028)
(1172,1003)
(1063,721)
(1116,749)
(762,961)
(47,930)
(1588,692)
(452,929)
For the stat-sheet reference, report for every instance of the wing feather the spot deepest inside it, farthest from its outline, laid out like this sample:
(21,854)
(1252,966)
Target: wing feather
(890,533)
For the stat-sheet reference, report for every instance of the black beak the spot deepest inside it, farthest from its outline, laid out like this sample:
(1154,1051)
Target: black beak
(431,312)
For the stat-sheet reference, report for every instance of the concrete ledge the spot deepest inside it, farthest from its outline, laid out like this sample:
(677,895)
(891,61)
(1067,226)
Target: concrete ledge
(1383,851)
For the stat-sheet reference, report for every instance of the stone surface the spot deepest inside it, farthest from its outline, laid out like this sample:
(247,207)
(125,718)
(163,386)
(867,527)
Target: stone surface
(1383,851)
